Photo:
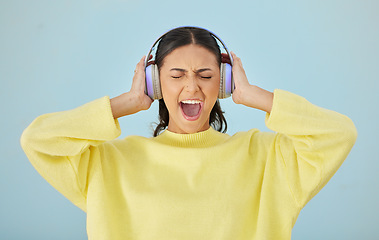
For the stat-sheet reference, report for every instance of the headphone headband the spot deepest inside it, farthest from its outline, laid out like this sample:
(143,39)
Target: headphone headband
(212,34)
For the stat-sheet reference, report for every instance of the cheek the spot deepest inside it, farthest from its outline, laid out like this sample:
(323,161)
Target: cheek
(168,89)
(212,89)
(170,94)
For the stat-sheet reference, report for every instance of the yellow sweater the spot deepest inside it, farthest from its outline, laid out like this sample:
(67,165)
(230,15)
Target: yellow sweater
(206,185)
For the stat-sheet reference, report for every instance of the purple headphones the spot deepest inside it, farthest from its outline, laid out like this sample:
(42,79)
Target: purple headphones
(153,85)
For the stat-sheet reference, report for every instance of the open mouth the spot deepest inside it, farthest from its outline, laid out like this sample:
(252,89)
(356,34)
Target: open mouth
(191,109)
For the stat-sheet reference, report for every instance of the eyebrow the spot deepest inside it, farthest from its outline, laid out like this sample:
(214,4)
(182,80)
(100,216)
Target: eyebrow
(197,71)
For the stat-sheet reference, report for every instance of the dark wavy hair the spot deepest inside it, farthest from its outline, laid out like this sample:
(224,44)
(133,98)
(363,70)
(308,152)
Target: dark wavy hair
(174,39)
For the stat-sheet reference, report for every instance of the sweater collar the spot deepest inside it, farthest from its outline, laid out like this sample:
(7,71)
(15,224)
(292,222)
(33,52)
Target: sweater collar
(205,138)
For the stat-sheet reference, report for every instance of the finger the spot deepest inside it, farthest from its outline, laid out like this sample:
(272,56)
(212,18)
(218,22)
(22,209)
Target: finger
(139,75)
(140,66)
(236,60)
(239,74)
(141,62)
(234,56)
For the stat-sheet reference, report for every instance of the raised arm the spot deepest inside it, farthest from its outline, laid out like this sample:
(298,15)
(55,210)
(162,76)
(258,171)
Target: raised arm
(64,146)
(310,143)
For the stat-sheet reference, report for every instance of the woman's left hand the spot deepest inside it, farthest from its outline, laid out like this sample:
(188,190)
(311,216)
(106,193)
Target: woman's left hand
(240,80)
(247,94)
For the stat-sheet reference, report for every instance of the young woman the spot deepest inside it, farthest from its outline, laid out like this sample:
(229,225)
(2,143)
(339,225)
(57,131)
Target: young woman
(190,181)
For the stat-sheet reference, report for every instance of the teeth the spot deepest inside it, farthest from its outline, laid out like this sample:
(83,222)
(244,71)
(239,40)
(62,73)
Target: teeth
(191,101)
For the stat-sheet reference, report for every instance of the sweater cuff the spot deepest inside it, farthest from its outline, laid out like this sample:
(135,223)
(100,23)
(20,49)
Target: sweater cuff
(287,113)
(100,109)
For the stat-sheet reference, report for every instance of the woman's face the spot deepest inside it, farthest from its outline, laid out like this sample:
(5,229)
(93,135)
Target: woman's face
(190,80)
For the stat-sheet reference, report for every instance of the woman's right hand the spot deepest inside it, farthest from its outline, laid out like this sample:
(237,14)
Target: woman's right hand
(135,100)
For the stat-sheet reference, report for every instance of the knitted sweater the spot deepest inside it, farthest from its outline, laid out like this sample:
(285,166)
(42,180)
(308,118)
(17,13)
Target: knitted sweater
(206,185)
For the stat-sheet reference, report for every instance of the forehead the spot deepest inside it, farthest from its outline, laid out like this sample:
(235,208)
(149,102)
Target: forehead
(191,56)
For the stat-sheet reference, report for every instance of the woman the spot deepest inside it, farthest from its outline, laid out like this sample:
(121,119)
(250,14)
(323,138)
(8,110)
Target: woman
(190,181)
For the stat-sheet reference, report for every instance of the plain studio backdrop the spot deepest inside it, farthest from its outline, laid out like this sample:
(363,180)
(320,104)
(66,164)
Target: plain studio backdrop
(57,55)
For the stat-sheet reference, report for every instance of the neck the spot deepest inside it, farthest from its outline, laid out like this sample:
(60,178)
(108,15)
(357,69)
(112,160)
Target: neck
(176,129)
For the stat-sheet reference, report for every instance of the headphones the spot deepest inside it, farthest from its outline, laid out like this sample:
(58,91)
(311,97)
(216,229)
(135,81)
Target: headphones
(152,82)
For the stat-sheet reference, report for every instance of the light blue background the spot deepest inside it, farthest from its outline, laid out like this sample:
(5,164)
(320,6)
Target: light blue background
(56,55)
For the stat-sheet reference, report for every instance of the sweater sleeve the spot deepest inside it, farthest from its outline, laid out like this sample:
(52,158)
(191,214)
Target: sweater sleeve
(311,142)
(61,145)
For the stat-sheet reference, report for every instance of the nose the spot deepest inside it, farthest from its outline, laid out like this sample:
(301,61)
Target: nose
(191,84)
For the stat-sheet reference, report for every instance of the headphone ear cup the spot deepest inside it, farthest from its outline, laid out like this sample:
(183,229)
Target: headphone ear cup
(226,81)
(153,85)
